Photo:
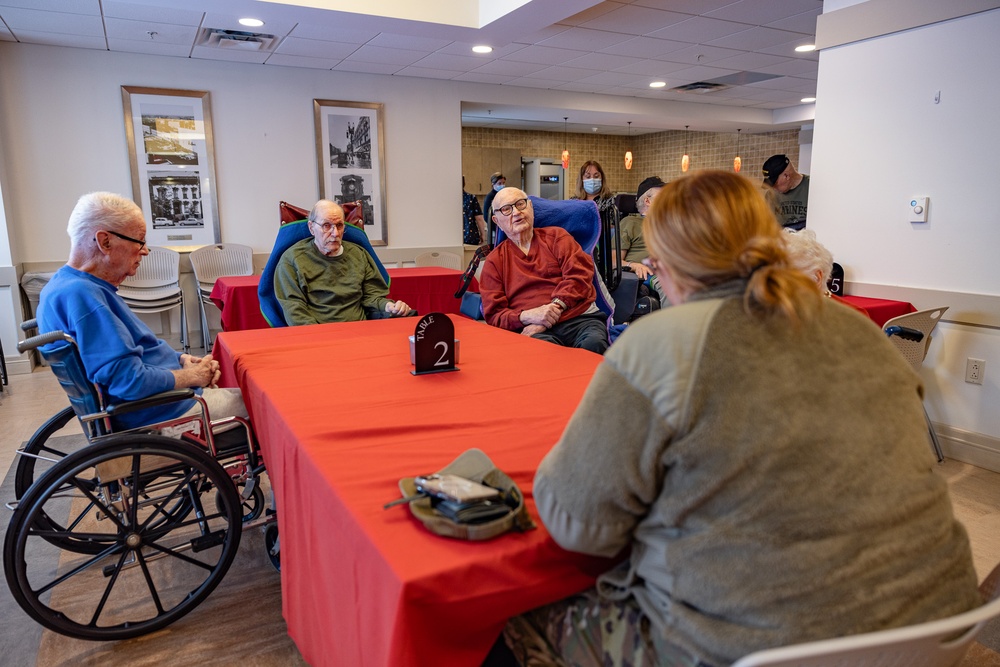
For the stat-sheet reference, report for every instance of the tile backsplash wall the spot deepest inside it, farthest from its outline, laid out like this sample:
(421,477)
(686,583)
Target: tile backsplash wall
(657,154)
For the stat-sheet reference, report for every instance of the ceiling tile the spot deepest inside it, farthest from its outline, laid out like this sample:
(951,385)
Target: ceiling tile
(698,30)
(782,83)
(693,74)
(792,67)
(535,83)
(428,73)
(465,49)
(366,68)
(140,31)
(755,39)
(544,55)
(564,74)
(509,68)
(788,49)
(136,12)
(759,12)
(685,6)
(152,47)
(539,35)
(380,54)
(594,39)
(617,78)
(483,77)
(314,48)
(579,87)
(59,39)
(288,60)
(700,55)
(592,13)
(653,68)
(804,22)
(411,42)
(633,20)
(91,7)
(20,20)
(602,61)
(320,32)
(749,61)
(645,47)
(451,62)
(5,34)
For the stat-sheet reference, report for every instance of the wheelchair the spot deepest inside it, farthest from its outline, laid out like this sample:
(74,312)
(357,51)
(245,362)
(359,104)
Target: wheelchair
(135,529)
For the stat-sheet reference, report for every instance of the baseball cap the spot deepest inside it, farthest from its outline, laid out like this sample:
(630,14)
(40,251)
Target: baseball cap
(648,184)
(774,166)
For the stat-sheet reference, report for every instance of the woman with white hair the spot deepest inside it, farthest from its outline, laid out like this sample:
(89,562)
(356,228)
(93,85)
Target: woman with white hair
(808,255)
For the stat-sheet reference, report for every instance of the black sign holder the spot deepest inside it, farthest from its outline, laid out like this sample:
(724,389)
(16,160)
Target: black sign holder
(434,345)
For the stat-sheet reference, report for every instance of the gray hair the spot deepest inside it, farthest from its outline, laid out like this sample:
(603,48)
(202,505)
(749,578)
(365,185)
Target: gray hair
(321,206)
(100,210)
(808,255)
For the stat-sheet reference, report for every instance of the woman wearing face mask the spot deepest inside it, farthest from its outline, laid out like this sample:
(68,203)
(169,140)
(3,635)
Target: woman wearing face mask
(591,185)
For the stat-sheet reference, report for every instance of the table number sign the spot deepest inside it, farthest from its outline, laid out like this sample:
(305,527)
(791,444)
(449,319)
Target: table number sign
(434,345)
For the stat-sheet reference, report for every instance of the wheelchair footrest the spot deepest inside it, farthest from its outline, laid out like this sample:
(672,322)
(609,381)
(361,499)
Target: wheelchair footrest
(208,541)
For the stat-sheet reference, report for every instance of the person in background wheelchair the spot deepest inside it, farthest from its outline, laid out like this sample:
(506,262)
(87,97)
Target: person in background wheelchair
(323,279)
(119,351)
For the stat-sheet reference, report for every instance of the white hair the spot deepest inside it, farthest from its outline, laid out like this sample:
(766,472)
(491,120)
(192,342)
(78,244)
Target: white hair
(808,255)
(101,210)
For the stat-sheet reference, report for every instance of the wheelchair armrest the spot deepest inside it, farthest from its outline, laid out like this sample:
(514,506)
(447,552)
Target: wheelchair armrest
(44,339)
(906,333)
(163,398)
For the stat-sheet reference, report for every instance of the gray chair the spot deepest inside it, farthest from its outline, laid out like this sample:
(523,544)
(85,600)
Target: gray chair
(914,350)
(210,263)
(941,643)
(155,287)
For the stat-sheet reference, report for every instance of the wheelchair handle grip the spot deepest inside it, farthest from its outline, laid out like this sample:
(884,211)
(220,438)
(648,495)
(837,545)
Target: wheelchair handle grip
(28,325)
(44,339)
(906,333)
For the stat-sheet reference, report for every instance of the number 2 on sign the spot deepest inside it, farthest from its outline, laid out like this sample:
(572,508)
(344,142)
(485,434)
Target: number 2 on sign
(444,352)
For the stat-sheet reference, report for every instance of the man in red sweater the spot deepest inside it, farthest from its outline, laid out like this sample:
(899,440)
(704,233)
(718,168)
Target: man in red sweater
(540,282)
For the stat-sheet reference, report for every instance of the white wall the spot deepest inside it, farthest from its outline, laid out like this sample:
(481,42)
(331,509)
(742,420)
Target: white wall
(880,139)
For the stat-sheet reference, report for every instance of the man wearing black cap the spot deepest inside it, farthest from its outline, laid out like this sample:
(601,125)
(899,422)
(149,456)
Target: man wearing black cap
(788,193)
(633,247)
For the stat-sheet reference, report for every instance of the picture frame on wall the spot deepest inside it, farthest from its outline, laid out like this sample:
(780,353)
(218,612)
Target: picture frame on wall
(172,157)
(351,155)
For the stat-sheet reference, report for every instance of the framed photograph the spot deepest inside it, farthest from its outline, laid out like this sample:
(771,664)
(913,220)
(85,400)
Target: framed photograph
(173,165)
(352,162)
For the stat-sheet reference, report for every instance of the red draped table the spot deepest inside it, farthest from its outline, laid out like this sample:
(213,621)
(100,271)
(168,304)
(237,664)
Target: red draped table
(880,311)
(429,289)
(341,420)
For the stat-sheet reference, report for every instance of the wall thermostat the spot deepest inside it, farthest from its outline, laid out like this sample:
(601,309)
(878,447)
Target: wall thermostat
(918,209)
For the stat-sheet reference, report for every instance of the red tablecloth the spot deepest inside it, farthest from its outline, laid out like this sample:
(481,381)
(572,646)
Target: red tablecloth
(341,420)
(429,289)
(880,310)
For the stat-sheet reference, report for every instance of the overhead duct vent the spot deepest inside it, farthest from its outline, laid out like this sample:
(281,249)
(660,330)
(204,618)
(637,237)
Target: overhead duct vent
(699,87)
(236,39)
(723,82)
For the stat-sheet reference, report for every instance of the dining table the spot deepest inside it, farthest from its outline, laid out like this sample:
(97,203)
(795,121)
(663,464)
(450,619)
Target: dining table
(879,311)
(341,420)
(427,289)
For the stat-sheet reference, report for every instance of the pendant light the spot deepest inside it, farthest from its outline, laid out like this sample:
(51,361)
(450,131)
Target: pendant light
(628,153)
(737,161)
(686,159)
(565,153)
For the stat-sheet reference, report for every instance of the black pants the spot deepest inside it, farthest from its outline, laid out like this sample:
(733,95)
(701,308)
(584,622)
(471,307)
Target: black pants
(589,332)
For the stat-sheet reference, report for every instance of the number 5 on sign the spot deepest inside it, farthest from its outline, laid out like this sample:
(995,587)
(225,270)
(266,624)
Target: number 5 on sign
(434,345)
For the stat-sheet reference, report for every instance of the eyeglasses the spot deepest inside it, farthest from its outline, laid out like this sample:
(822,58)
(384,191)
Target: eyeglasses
(142,244)
(507,209)
(327,226)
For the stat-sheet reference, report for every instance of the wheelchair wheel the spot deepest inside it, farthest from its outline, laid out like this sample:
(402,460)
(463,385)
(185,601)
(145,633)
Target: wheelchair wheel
(29,467)
(273,546)
(253,506)
(119,496)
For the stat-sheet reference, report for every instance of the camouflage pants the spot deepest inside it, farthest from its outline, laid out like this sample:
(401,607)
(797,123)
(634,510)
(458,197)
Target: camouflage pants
(586,630)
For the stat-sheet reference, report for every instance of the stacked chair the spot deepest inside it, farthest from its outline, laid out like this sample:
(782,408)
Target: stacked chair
(211,262)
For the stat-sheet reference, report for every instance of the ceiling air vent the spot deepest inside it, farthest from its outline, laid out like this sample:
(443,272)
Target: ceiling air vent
(699,87)
(236,39)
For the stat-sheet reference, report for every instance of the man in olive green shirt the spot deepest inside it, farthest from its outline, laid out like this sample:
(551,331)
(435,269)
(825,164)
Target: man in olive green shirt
(325,279)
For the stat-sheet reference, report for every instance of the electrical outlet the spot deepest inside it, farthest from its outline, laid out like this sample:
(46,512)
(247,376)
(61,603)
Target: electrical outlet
(974,370)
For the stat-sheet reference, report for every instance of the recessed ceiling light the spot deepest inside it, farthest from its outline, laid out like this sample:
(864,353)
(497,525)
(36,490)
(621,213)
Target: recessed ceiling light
(482,49)
(808,99)
(251,23)
(805,48)
(594,129)
(658,84)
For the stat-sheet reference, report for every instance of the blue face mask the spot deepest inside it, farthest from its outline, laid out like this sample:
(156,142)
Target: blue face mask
(499,186)
(591,185)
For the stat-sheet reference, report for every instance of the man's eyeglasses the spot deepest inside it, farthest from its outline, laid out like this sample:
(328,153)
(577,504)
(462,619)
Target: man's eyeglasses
(142,244)
(327,226)
(507,209)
